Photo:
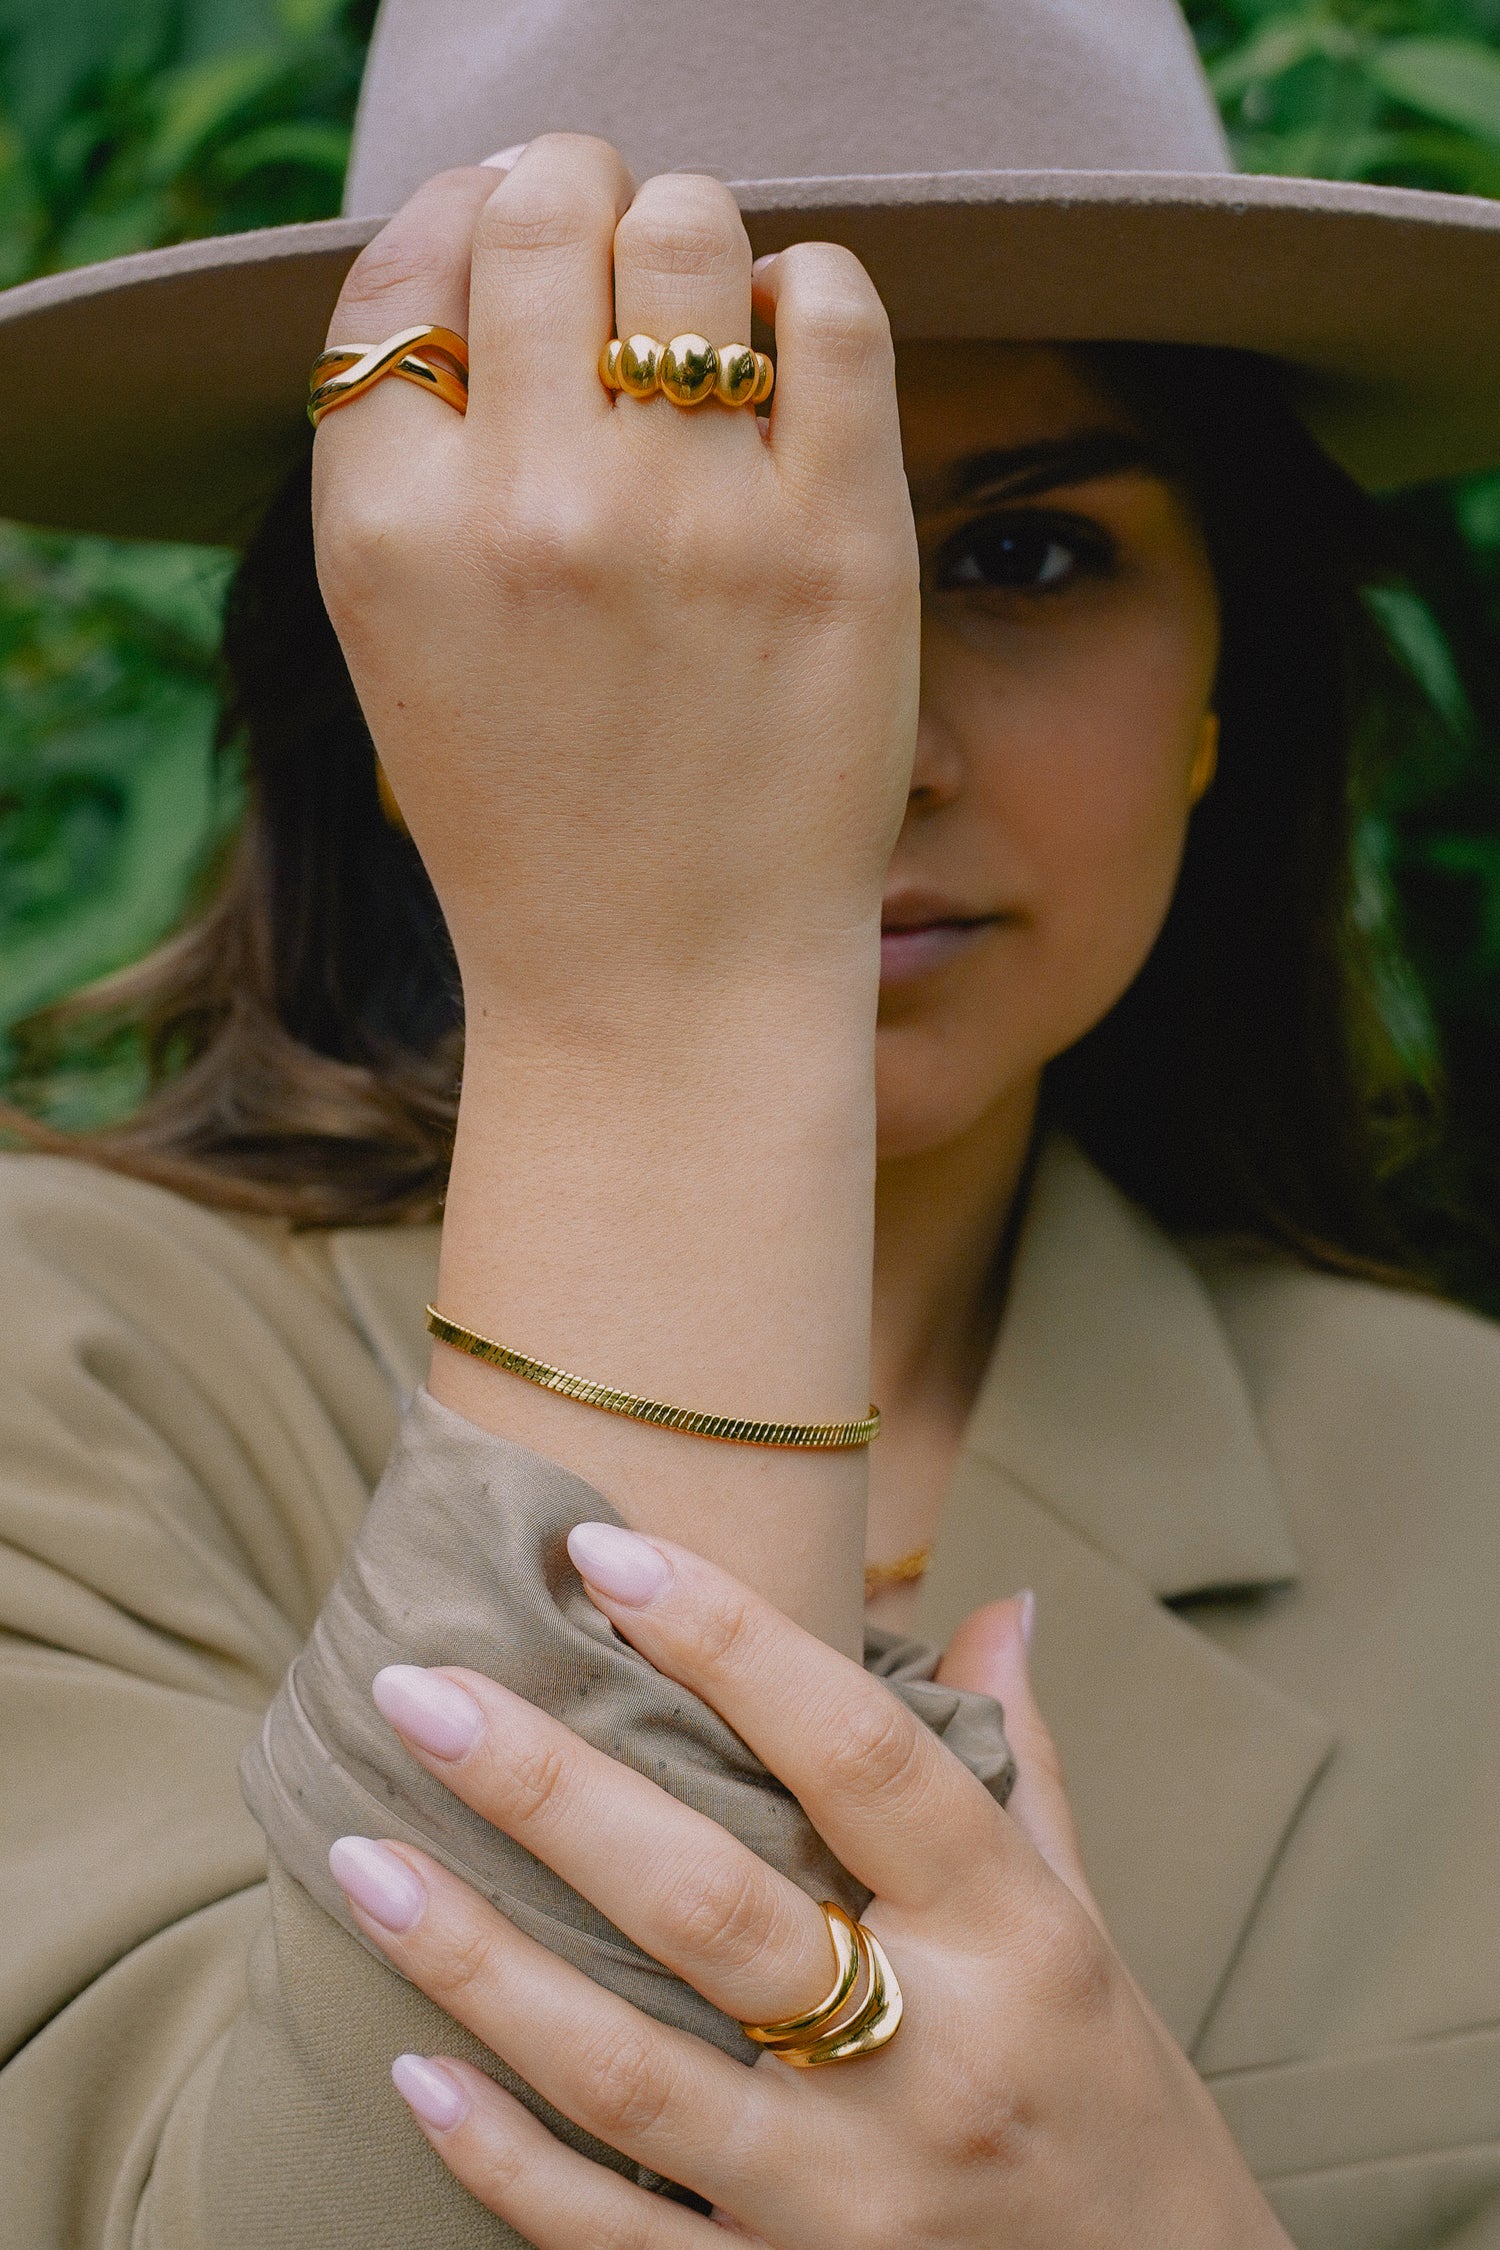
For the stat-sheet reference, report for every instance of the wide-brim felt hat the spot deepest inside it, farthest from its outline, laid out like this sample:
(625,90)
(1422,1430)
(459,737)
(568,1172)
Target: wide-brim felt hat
(1006,169)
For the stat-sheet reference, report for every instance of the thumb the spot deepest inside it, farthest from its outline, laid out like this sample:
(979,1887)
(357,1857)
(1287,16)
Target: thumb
(990,1653)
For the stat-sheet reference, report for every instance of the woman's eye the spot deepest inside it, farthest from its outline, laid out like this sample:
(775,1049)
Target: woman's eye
(1019,553)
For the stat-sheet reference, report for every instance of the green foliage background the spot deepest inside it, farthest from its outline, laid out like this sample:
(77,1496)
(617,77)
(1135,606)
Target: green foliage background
(126,123)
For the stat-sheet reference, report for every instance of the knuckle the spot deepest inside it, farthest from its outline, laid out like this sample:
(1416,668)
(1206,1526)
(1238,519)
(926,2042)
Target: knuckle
(583,151)
(533,1776)
(727,1635)
(721,1913)
(683,224)
(1074,1966)
(538,218)
(995,2132)
(548,549)
(889,2221)
(850,341)
(503,2169)
(876,1750)
(830,266)
(399,264)
(361,543)
(848,577)
(623,2226)
(625,2082)
(462,1966)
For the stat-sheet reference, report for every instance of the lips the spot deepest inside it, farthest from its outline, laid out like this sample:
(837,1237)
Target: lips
(916,940)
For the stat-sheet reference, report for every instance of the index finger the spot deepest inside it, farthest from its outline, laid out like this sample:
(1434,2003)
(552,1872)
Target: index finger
(415,271)
(890,1800)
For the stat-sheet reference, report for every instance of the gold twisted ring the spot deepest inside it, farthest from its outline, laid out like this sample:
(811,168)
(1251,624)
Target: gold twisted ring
(688,370)
(434,357)
(842,2025)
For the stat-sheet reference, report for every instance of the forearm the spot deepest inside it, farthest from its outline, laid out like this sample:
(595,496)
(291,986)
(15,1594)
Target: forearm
(686,1212)
(647,696)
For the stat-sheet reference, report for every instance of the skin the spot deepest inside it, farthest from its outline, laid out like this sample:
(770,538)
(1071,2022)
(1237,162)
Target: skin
(1030,2098)
(1061,728)
(976,724)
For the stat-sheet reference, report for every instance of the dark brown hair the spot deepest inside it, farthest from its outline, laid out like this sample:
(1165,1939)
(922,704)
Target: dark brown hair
(305,1033)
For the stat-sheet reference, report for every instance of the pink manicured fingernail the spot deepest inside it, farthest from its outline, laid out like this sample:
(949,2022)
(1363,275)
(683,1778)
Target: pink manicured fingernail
(621,1565)
(429,2090)
(1028,1615)
(503,158)
(379,1883)
(760,264)
(432,1712)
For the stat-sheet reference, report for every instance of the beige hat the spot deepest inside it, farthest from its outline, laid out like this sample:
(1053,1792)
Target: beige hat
(1040,169)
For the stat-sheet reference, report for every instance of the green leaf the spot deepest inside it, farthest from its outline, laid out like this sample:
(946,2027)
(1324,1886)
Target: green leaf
(1422,647)
(305,19)
(1455,81)
(22,216)
(1478,510)
(1316,151)
(1281,45)
(318,148)
(137,223)
(203,100)
(116,861)
(1437,156)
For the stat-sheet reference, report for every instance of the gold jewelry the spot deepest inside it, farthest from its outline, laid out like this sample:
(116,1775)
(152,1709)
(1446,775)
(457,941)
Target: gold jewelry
(434,357)
(391,812)
(1206,758)
(824,1437)
(688,370)
(818,2037)
(792,2031)
(898,1573)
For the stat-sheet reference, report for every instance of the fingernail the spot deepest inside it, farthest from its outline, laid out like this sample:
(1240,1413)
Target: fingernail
(430,2092)
(503,158)
(626,1568)
(434,1713)
(759,265)
(1028,1616)
(379,1883)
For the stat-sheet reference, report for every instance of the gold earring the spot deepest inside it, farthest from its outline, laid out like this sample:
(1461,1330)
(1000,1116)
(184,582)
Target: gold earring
(1206,762)
(394,817)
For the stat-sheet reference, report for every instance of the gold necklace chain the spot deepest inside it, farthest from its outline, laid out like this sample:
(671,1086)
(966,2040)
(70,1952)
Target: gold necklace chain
(902,1572)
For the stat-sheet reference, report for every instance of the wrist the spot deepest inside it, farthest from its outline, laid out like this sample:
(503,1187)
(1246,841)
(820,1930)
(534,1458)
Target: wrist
(691,1224)
(623,1008)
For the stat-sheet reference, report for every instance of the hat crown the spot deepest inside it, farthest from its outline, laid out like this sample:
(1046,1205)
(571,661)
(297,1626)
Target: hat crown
(792,89)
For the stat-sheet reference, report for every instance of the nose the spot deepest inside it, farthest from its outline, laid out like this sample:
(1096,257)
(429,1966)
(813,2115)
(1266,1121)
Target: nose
(937,772)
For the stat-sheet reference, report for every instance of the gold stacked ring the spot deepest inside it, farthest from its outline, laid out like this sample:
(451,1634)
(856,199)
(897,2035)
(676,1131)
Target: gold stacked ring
(860,2012)
(688,370)
(433,357)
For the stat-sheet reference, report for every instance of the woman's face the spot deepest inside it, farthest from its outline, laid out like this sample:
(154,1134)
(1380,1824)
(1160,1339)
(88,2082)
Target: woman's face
(1070,639)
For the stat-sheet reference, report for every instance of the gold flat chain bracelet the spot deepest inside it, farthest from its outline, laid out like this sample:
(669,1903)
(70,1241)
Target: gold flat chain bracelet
(824,1437)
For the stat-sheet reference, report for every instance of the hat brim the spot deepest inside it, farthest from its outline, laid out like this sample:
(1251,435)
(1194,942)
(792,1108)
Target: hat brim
(161,395)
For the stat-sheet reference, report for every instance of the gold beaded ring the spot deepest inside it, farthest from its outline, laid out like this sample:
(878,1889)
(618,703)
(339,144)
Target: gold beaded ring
(689,370)
(435,358)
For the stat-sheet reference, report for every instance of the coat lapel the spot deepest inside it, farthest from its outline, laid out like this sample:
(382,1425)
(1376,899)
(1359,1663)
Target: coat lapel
(388,1276)
(1113,1460)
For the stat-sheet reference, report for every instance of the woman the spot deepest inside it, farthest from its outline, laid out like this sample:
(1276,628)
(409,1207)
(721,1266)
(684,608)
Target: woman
(644,685)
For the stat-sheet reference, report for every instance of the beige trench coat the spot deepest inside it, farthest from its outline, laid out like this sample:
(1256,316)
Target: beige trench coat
(1260,1508)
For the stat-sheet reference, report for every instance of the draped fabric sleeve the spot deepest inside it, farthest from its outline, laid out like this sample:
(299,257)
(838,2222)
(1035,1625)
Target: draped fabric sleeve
(194,2047)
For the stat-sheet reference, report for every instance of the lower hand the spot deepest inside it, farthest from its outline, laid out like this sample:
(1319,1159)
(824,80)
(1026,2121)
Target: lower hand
(1031,2097)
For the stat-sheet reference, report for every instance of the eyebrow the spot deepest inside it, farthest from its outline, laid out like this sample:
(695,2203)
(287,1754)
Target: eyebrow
(1020,472)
